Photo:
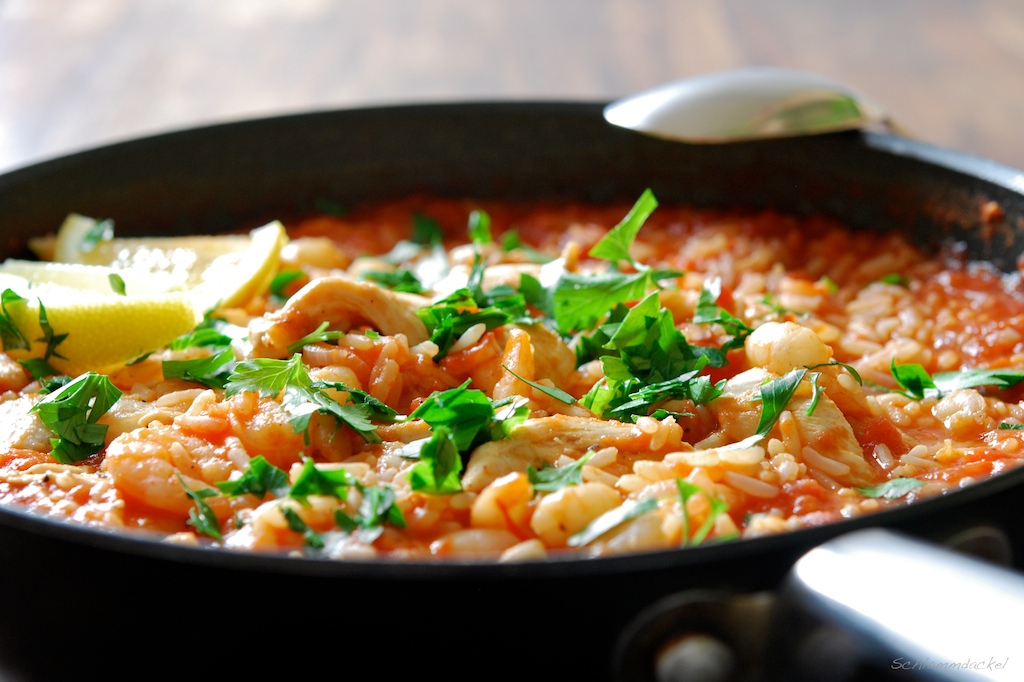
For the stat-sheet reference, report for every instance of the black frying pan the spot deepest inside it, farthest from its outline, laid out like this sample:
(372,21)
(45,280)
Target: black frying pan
(81,602)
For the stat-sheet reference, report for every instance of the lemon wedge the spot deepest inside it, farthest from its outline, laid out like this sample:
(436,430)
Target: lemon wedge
(216,271)
(103,329)
(114,300)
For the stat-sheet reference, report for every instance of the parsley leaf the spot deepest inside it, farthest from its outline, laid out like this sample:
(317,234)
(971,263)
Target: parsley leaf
(260,478)
(438,470)
(556,393)
(630,509)
(313,480)
(917,384)
(650,361)
(201,517)
(913,379)
(891,489)
(464,412)
(718,507)
(297,525)
(280,283)
(775,396)
(480,228)
(453,315)
(301,396)
(510,241)
(37,367)
(72,411)
(615,245)
(213,371)
(11,337)
(579,301)
(51,339)
(709,312)
(116,283)
(549,479)
(895,278)
(318,335)
(213,332)
(398,280)
(376,508)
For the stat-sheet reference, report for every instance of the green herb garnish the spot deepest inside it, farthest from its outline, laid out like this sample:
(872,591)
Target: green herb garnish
(72,411)
(301,396)
(297,525)
(775,396)
(630,509)
(116,283)
(437,472)
(201,517)
(718,507)
(892,489)
(549,479)
(281,281)
(556,393)
(213,371)
(11,337)
(259,479)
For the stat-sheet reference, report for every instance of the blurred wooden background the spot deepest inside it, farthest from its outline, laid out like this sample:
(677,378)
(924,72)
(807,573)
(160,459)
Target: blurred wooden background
(78,73)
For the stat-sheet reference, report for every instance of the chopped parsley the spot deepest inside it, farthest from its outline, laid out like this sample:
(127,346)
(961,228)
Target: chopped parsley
(11,337)
(480,228)
(891,489)
(775,396)
(201,517)
(917,384)
(116,284)
(213,371)
(301,396)
(556,393)
(439,466)
(260,478)
(297,525)
(718,507)
(709,312)
(630,509)
(510,241)
(279,284)
(72,412)
(397,280)
(548,479)
(648,361)
(318,335)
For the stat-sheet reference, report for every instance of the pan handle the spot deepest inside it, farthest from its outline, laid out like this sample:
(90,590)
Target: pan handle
(900,605)
(870,605)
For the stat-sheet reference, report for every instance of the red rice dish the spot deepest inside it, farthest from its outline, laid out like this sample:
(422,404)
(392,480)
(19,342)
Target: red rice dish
(459,379)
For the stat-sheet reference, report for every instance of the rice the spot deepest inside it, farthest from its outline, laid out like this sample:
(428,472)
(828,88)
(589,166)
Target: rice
(370,421)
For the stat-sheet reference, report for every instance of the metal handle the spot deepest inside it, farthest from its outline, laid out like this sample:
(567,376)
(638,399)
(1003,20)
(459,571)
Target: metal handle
(865,606)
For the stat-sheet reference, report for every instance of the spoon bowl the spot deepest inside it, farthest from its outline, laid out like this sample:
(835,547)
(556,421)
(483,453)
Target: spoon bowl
(747,104)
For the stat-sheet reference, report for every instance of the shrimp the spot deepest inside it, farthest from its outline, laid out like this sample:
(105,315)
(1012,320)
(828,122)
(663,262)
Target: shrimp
(144,466)
(783,346)
(569,510)
(344,303)
(505,504)
(264,428)
(13,376)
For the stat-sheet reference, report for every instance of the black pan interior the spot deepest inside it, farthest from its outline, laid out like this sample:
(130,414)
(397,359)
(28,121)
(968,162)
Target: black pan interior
(464,618)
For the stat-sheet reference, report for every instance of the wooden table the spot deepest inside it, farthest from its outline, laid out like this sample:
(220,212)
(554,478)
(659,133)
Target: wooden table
(78,74)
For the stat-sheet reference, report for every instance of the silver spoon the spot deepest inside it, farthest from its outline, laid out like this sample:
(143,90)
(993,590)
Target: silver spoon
(747,104)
